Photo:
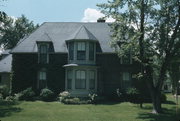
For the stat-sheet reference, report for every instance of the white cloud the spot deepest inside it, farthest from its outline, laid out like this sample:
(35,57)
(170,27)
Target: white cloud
(92,15)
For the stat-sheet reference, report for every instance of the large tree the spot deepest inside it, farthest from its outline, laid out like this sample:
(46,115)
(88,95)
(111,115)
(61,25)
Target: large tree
(150,29)
(14,29)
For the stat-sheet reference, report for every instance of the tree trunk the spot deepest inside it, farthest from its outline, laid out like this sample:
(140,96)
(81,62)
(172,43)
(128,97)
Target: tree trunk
(156,101)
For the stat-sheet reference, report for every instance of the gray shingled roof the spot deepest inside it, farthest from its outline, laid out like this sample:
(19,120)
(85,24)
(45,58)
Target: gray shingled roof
(6,52)
(59,32)
(5,64)
(82,33)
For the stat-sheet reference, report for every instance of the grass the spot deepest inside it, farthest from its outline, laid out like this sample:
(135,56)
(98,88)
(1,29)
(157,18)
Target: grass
(55,111)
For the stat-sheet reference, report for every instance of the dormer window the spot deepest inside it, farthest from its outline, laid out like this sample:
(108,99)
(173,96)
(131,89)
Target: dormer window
(71,50)
(91,51)
(81,51)
(43,56)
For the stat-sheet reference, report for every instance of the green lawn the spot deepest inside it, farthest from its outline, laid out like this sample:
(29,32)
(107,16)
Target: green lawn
(55,111)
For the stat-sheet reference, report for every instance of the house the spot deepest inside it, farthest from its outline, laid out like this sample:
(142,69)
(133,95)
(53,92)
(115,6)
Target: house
(71,56)
(5,69)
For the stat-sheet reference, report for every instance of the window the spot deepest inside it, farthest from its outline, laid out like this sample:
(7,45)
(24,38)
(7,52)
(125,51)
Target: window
(69,79)
(43,53)
(126,79)
(42,81)
(80,80)
(71,50)
(91,80)
(81,51)
(91,51)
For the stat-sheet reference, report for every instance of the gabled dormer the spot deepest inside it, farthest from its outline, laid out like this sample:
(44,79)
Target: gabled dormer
(81,47)
(45,47)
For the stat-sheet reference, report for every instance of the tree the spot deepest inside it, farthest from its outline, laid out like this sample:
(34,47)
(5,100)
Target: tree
(150,29)
(12,30)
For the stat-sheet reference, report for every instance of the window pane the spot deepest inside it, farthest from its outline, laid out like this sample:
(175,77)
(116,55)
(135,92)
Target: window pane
(69,83)
(71,50)
(69,79)
(81,51)
(91,80)
(91,51)
(80,84)
(126,80)
(91,84)
(81,46)
(81,55)
(80,80)
(42,75)
(83,75)
(126,76)
(42,81)
(43,53)
(43,48)
(69,75)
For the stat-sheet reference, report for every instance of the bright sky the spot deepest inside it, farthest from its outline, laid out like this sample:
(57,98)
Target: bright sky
(41,11)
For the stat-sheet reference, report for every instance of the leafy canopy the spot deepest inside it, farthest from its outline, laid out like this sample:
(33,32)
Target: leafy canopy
(14,29)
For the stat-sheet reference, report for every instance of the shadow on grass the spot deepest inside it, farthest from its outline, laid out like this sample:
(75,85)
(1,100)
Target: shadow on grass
(167,115)
(7,108)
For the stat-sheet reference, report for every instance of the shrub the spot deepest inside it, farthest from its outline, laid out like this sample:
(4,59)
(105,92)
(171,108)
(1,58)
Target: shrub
(64,95)
(133,95)
(93,98)
(27,94)
(4,90)
(10,99)
(47,95)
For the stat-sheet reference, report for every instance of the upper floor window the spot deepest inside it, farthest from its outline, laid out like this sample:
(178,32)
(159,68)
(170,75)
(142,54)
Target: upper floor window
(71,50)
(43,53)
(91,51)
(81,51)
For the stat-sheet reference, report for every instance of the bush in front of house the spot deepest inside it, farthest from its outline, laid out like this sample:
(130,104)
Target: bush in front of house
(27,94)
(66,98)
(47,94)
(4,91)
(133,95)
(63,96)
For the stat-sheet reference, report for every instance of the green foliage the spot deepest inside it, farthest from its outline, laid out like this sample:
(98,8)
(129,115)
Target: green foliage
(27,65)
(1,97)
(4,90)
(66,98)
(150,30)
(63,95)
(163,98)
(12,30)
(27,94)
(133,95)
(47,95)
(43,111)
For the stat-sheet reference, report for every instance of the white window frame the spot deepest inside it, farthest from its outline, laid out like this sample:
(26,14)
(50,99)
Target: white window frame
(79,77)
(92,77)
(42,78)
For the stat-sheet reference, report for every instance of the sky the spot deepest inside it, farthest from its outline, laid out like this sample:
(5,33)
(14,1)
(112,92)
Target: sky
(40,11)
